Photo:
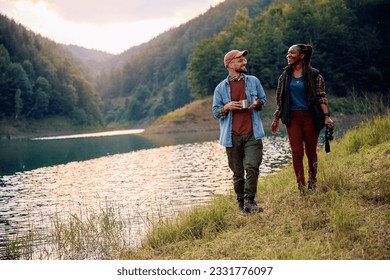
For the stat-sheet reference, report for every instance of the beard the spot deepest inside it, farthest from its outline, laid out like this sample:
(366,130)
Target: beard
(241,70)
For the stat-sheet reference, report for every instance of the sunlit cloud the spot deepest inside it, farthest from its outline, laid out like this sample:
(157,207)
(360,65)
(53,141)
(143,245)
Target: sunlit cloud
(112,26)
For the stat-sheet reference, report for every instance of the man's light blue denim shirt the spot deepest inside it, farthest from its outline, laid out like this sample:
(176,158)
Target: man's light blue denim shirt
(222,96)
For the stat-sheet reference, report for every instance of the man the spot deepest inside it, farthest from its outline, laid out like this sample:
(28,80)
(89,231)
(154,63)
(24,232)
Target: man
(241,129)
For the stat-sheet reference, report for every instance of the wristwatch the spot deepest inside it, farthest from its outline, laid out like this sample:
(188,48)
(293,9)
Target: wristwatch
(327,114)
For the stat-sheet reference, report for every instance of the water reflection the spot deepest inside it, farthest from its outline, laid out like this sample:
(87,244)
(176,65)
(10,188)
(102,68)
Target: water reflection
(25,154)
(149,183)
(89,135)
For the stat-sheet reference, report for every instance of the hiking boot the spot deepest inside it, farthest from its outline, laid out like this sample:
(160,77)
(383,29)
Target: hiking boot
(312,186)
(251,206)
(241,205)
(302,189)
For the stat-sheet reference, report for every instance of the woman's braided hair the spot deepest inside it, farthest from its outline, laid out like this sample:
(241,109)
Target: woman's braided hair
(307,71)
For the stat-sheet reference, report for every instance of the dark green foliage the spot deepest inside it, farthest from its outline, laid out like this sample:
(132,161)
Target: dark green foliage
(40,79)
(351,50)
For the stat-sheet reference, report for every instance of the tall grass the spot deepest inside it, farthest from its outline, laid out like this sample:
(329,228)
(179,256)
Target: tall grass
(201,222)
(370,134)
(98,235)
(19,247)
(83,235)
(356,108)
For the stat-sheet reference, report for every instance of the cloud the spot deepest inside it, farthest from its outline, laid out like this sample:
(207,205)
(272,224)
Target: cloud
(104,12)
(112,26)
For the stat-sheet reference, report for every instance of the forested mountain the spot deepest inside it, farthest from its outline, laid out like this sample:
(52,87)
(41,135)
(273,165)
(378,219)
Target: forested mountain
(351,39)
(39,78)
(154,80)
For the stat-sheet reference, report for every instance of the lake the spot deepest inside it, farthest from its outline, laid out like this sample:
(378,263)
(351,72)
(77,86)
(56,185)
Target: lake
(147,177)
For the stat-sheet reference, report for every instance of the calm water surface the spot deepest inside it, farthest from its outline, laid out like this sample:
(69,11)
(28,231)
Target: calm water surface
(154,181)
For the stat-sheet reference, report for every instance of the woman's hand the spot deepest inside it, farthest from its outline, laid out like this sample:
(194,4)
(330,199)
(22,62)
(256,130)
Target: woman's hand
(275,126)
(328,120)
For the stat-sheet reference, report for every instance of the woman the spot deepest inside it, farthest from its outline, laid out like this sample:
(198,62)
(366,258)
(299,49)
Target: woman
(298,86)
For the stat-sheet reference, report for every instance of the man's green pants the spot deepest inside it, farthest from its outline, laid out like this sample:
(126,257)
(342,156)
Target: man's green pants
(244,160)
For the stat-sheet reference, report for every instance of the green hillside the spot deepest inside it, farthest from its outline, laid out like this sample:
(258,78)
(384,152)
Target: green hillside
(350,40)
(39,79)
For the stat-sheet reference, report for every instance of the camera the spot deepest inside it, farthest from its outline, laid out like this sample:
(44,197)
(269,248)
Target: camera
(328,132)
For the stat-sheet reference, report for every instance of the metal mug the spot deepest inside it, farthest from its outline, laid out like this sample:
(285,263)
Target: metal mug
(244,103)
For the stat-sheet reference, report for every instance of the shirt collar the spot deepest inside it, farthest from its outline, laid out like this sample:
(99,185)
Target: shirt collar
(236,79)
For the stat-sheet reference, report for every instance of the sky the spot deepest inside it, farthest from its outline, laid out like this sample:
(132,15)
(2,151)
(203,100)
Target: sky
(108,25)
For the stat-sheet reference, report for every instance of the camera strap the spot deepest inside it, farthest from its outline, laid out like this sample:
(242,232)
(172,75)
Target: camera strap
(327,146)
